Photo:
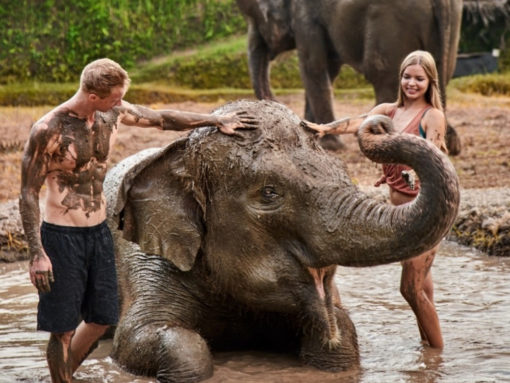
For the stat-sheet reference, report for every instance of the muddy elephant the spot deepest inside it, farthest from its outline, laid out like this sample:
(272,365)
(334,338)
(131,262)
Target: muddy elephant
(371,36)
(231,242)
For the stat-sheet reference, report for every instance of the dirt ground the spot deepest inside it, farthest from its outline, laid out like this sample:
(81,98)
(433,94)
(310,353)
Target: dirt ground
(483,124)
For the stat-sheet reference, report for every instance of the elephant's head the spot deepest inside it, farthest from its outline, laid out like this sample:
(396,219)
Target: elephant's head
(268,204)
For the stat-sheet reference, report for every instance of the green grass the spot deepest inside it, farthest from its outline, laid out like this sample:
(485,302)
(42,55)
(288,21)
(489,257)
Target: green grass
(220,71)
(492,84)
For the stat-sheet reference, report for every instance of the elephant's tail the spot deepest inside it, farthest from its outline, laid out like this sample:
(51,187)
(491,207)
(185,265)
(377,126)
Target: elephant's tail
(448,14)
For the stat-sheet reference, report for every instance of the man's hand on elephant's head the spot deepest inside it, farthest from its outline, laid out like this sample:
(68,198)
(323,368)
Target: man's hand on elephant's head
(238,120)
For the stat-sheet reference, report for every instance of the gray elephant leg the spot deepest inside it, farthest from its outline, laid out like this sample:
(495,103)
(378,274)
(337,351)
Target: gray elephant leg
(258,61)
(317,74)
(453,142)
(338,354)
(172,354)
(329,340)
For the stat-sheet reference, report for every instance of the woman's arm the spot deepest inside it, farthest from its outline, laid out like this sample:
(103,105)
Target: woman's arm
(347,125)
(434,124)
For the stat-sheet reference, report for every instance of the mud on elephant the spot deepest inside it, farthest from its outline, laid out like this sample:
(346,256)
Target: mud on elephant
(371,36)
(230,242)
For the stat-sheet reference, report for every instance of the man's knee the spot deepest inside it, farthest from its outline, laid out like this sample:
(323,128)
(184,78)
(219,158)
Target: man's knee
(63,337)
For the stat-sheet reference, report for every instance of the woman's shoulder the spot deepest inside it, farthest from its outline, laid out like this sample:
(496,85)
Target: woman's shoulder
(433,114)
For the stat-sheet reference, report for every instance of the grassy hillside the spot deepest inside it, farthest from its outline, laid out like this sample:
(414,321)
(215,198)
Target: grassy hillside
(220,70)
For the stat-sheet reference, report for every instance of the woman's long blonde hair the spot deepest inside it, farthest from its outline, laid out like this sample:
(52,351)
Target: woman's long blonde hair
(427,62)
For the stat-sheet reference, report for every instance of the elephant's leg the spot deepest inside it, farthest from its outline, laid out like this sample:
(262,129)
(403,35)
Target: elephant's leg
(330,141)
(338,354)
(317,74)
(258,61)
(453,142)
(172,354)
(313,62)
(329,339)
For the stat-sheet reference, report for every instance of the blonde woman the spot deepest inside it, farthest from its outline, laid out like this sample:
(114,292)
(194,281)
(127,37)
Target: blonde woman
(418,110)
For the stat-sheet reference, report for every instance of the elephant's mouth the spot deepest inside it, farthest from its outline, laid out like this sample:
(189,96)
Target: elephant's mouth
(319,276)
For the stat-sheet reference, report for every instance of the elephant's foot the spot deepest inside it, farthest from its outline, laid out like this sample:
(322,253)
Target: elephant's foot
(339,353)
(331,142)
(172,354)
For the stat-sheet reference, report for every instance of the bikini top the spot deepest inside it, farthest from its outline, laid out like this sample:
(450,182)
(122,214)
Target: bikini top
(393,172)
(414,126)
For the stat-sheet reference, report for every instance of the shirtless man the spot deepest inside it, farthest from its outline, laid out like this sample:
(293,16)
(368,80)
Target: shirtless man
(71,254)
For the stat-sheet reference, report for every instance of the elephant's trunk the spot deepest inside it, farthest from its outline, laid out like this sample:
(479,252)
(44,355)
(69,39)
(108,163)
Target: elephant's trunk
(382,233)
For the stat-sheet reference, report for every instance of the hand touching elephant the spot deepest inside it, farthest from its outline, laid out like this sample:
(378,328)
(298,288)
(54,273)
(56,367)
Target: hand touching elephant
(229,242)
(371,36)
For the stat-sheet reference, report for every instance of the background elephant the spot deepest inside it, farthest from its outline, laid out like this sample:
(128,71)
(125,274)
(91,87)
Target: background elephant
(232,241)
(371,36)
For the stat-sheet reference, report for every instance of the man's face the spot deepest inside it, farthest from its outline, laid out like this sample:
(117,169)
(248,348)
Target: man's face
(110,101)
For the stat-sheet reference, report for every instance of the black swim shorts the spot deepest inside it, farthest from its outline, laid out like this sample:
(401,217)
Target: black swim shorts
(85,284)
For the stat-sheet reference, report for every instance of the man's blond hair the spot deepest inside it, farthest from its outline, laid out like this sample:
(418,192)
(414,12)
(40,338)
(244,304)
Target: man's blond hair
(100,76)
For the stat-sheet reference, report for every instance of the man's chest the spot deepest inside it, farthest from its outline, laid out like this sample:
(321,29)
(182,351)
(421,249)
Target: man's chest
(80,143)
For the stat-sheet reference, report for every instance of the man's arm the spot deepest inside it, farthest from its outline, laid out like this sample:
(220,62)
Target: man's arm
(33,174)
(169,119)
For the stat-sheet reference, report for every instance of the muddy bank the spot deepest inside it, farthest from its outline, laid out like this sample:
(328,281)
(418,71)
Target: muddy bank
(483,222)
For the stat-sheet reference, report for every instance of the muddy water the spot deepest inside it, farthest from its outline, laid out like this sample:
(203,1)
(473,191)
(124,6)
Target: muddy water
(472,296)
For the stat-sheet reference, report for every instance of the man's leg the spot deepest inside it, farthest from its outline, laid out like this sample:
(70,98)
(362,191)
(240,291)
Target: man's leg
(85,337)
(58,355)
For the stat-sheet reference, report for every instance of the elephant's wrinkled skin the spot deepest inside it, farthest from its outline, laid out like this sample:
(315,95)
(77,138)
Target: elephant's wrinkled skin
(244,233)
(371,36)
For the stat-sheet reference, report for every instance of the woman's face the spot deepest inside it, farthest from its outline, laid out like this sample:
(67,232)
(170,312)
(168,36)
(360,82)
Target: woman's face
(414,82)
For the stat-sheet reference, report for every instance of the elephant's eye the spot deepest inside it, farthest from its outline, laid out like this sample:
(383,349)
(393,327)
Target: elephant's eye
(269,193)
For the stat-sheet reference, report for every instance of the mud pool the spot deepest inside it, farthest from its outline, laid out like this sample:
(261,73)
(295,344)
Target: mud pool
(472,293)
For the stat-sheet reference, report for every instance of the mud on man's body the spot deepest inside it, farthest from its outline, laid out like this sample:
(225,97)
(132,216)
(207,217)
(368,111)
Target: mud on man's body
(68,151)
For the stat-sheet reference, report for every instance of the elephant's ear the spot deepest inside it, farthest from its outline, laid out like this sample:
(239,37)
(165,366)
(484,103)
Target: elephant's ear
(156,207)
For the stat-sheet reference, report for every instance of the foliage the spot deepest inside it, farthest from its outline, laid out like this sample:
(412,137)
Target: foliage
(51,40)
(483,34)
(486,84)
(220,71)
(225,63)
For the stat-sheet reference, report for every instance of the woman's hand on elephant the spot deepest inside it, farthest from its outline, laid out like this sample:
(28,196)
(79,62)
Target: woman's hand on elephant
(228,123)
(343,126)
(319,129)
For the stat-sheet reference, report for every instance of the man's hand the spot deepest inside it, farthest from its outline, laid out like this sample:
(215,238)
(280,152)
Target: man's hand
(41,273)
(227,124)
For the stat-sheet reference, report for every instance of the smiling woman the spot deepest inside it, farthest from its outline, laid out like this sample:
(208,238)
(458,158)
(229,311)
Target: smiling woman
(418,111)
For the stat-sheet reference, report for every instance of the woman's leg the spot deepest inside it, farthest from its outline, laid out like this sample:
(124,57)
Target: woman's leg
(417,288)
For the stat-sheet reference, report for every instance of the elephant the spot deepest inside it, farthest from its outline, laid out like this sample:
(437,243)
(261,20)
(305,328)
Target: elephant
(371,36)
(231,242)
